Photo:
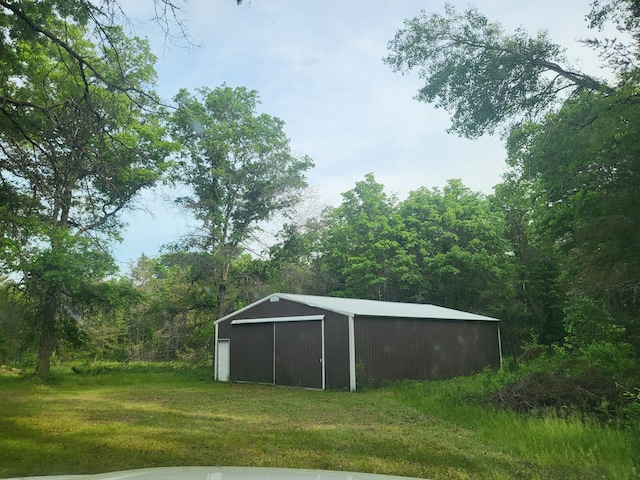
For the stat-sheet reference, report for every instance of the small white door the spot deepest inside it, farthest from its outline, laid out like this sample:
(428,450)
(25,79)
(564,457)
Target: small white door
(223,360)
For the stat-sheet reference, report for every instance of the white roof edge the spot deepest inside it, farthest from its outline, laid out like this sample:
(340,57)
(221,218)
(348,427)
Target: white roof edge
(292,297)
(364,307)
(324,305)
(293,318)
(257,302)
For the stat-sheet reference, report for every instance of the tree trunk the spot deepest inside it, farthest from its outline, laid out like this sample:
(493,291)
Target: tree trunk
(47,337)
(222,298)
(222,282)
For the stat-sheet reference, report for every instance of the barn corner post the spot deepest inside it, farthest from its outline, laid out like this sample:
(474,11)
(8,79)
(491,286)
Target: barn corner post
(352,354)
(215,352)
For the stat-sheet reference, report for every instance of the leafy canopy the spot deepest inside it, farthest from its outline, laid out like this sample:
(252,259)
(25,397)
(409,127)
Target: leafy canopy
(478,73)
(236,161)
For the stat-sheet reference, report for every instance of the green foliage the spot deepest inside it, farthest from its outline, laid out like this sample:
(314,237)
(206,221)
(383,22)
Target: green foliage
(238,166)
(363,381)
(166,312)
(461,251)
(14,315)
(589,321)
(593,383)
(444,247)
(80,136)
(625,17)
(585,160)
(480,75)
(537,306)
(596,338)
(582,165)
(238,163)
(291,266)
(553,253)
(363,244)
(632,410)
(570,200)
(69,266)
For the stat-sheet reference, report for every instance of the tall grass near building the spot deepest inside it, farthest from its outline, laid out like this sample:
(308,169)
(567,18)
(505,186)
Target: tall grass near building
(561,443)
(108,417)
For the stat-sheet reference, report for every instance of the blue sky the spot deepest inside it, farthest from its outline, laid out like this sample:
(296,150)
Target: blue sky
(317,65)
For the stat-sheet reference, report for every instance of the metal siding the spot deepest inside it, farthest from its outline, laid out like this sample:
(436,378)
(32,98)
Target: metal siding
(298,354)
(336,334)
(252,353)
(224,329)
(336,331)
(282,308)
(263,310)
(420,349)
(390,348)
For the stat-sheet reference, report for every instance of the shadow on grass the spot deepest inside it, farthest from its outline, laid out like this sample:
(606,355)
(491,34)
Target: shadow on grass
(108,422)
(102,446)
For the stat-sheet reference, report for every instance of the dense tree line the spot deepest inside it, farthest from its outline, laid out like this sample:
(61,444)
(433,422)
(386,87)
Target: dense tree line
(449,246)
(570,197)
(82,133)
(552,252)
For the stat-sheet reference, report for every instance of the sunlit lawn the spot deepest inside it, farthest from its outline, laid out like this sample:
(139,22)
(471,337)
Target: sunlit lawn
(134,418)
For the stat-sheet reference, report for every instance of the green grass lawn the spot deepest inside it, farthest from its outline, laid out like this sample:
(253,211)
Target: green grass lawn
(146,416)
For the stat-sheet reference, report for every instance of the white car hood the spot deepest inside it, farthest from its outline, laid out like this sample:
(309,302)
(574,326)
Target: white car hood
(222,473)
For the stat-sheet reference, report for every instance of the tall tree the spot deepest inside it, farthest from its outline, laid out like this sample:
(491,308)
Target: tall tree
(362,245)
(460,249)
(621,55)
(14,318)
(444,247)
(537,308)
(237,164)
(482,76)
(291,266)
(584,163)
(173,317)
(74,152)
(29,22)
(572,142)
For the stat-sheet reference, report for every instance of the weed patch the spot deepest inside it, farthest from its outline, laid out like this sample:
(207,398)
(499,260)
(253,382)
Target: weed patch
(587,394)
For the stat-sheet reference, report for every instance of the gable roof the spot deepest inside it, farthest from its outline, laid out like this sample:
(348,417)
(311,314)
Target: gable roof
(369,308)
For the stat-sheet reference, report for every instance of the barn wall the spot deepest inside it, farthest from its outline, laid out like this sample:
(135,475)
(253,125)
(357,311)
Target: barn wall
(224,329)
(262,310)
(418,349)
(251,349)
(336,331)
(281,308)
(299,354)
(297,359)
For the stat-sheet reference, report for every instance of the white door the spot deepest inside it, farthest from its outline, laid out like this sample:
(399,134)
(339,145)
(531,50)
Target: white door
(223,360)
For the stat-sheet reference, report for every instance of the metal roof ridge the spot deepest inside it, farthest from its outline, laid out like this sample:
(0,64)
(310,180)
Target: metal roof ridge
(320,304)
(309,301)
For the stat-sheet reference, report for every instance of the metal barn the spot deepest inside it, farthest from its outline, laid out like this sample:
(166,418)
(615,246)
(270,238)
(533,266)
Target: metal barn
(325,342)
